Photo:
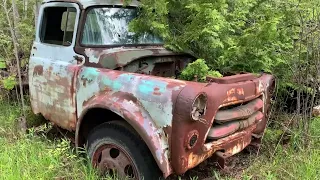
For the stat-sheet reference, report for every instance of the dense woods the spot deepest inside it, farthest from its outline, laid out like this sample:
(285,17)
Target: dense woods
(281,37)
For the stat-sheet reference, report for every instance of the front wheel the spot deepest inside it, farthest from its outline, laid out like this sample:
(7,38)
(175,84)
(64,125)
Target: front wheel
(116,151)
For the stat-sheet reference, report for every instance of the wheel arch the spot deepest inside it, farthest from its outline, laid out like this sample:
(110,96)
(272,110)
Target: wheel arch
(141,125)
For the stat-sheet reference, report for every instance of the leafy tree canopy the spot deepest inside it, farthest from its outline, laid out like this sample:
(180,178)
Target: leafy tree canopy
(232,36)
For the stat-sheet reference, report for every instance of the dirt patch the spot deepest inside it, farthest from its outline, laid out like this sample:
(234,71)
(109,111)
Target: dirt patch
(235,167)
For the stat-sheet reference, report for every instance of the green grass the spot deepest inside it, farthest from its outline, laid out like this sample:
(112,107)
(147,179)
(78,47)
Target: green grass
(287,165)
(290,161)
(34,156)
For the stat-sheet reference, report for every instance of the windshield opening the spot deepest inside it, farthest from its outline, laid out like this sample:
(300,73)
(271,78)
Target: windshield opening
(110,26)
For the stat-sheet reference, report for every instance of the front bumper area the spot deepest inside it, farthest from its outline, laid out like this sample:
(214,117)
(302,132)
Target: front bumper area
(227,146)
(192,142)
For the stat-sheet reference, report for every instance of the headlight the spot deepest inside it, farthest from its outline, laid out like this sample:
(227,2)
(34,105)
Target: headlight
(199,107)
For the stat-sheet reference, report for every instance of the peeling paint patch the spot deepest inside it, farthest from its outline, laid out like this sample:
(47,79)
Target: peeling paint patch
(93,56)
(38,70)
(145,101)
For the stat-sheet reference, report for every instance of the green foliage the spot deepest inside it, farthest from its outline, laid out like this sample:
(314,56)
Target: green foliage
(9,112)
(2,64)
(288,162)
(198,70)
(37,158)
(34,156)
(232,36)
(272,136)
(9,83)
(315,132)
(25,33)
(213,73)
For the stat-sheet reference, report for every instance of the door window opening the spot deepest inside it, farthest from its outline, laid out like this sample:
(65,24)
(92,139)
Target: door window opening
(58,25)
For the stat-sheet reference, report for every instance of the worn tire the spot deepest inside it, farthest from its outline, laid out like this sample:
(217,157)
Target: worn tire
(110,133)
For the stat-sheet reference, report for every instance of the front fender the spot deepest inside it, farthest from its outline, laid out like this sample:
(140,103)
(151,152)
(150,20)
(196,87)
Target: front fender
(130,109)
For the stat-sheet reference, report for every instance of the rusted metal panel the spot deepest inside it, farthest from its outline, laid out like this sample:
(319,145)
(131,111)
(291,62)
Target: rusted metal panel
(116,58)
(145,102)
(232,79)
(219,96)
(223,130)
(52,93)
(265,85)
(239,112)
(52,72)
(230,145)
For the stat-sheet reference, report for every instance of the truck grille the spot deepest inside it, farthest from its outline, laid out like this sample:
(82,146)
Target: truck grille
(231,119)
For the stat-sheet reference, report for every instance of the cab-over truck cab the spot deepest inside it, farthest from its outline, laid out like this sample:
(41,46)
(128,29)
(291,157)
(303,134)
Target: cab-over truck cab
(120,93)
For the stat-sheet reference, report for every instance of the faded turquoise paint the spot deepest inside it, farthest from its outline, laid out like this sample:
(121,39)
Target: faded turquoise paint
(115,85)
(148,87)
(90,71)
(143,89)
(127,77)
(90,74)
(124,81)
(151,109)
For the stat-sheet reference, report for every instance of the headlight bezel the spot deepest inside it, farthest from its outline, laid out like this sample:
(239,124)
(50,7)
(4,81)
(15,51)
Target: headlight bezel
(199,107)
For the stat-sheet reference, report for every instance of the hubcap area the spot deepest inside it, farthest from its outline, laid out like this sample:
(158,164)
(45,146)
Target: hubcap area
(113,160)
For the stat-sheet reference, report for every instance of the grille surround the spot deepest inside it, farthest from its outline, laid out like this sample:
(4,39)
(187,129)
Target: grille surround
(231,119)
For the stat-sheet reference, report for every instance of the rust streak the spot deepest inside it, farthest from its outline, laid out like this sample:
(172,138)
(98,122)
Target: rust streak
(38,70)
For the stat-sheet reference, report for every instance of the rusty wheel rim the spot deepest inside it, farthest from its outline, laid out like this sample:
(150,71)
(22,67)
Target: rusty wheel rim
(113,160)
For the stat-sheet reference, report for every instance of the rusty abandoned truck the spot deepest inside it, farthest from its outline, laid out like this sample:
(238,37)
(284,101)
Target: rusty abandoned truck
(119,94)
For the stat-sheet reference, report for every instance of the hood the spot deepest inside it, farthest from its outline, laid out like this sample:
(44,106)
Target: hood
(119,57)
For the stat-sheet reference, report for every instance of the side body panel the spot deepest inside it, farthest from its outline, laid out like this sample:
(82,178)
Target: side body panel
(52,69)
(146,103)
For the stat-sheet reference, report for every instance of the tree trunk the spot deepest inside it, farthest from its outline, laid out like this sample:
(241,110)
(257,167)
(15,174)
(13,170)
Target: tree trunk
(16,54)
(25,8)
(16,20)
(36,12)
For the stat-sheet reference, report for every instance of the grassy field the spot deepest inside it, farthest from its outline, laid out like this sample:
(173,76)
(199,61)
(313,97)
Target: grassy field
(289,161)
(38,155)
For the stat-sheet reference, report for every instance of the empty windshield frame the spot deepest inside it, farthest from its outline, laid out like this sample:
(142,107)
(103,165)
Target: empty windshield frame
(82,27)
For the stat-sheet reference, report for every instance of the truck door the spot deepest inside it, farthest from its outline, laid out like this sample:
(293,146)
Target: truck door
(52,65)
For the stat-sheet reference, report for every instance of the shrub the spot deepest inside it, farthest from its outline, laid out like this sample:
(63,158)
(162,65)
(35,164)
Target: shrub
(198,70)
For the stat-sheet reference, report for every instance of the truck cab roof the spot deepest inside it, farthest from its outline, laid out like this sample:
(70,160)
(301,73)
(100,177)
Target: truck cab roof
(88,3)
